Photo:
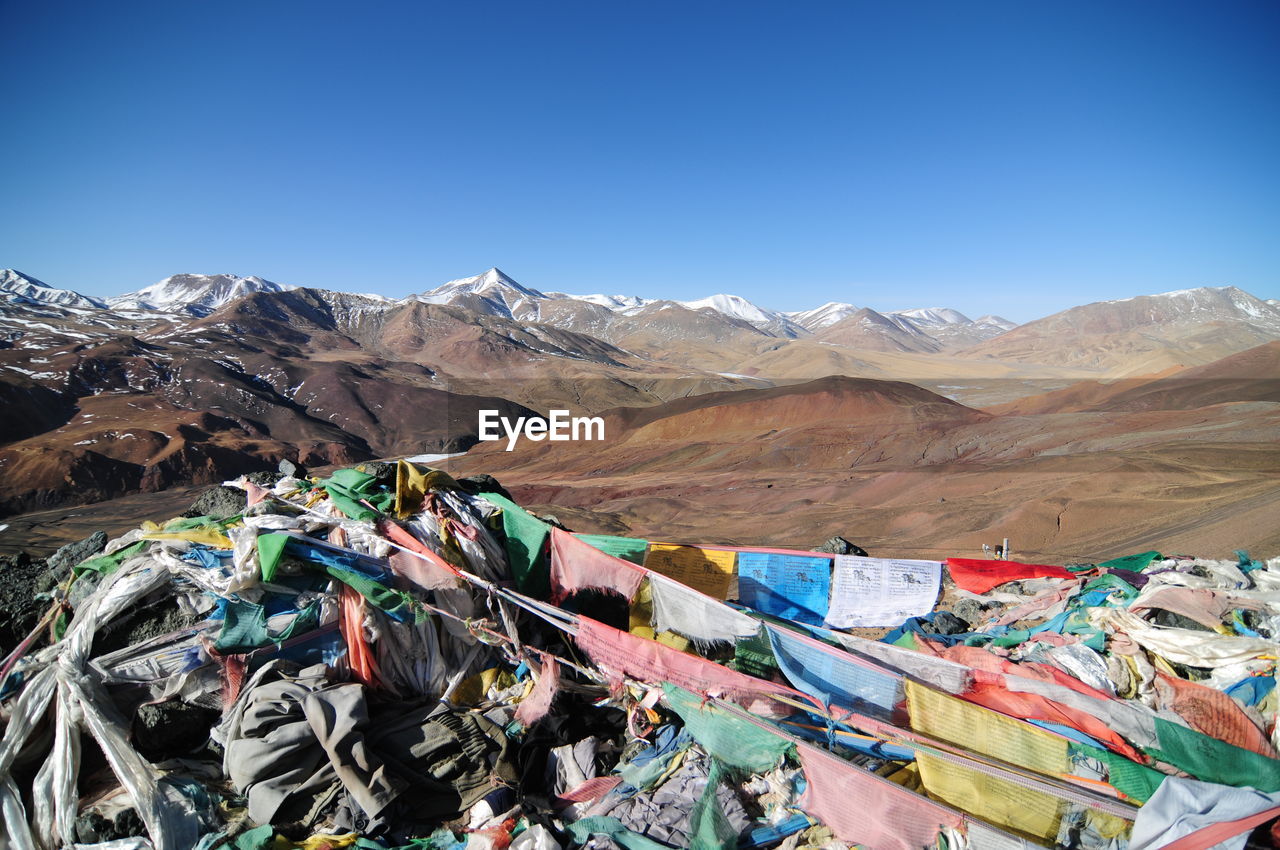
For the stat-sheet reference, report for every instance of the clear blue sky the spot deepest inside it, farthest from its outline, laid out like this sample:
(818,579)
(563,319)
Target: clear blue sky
(996,157)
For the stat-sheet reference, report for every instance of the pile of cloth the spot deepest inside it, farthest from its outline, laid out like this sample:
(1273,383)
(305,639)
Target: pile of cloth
(392,658)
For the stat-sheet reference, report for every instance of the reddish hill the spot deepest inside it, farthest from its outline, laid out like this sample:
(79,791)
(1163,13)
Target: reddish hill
(1248,376)
(834,421)
(1252,375)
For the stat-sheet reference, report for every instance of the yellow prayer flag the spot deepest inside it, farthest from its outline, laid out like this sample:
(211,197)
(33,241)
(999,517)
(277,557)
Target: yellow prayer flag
(997,801)
(414,483)
(982,730)
(707,570)
(207,535)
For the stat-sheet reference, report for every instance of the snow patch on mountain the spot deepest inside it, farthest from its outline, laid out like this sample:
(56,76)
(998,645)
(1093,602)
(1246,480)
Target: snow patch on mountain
(612,302)
(1203,304)
(490,292)
(194,294)
(825,316)
(933,316)
(24,286)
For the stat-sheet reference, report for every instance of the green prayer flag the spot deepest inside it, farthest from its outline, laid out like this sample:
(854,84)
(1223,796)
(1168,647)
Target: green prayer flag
(907,641)
(396,603)
(1111,582)
(709,828)
(307,620)
(754,656)
(258,838)
(1136,780)
(1211,760)
(270,548)
(346,489)
(526,546)
(243,629)
(108,564)
(187,523)
(1136,563)
(583,828)
(728,738)
(631,549)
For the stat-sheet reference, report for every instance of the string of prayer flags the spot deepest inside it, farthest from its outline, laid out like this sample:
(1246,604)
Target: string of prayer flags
(981,730)
(869,592)
(736,742)
(656,663)
(423,567)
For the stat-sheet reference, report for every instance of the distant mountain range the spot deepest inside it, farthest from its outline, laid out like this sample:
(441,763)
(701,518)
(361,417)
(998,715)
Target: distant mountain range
(496,294)
(199,377)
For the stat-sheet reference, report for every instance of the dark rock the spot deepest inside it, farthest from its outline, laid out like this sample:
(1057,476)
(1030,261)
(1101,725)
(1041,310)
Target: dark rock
(946,623)
(1254,620)
(1161,617)
(61,562)
(973,611)
(840,546)
(143,622)
(483,483)
(291,469)
(265,479)
(92,828)
(552,520)
(21,579)
(384,472)
(172,729)
(218,502)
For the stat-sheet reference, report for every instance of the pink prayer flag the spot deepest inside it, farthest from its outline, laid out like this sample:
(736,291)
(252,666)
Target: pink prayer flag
(255,493)
(650,661)
(1212,712)
(364,667)
(862,808)
(1045,600)
(592,789)
(577,565)
(536,705)
(426,569)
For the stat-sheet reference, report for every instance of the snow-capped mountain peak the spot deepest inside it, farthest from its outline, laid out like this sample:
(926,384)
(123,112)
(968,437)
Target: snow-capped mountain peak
(194,294)
(489,292)
(734,306)
(995,322)
(1204,303)
(933,316)
(491,282)
(24,286)
(822,317)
